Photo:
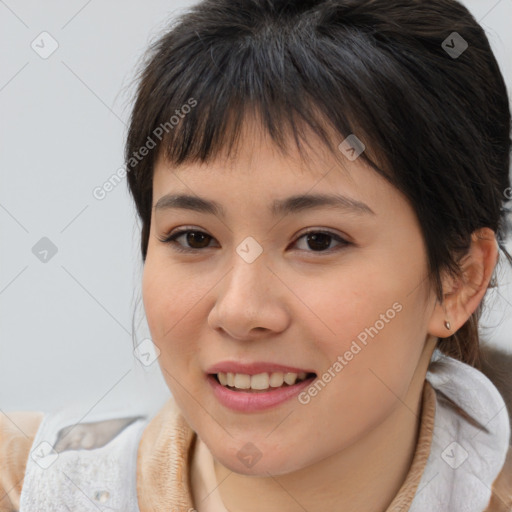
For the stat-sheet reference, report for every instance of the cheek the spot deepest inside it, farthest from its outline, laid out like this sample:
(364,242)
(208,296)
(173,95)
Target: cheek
(166,303)
(372,319)
(170,301)
(342,304)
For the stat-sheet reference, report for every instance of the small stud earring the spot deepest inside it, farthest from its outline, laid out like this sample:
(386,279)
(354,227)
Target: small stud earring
(447,324)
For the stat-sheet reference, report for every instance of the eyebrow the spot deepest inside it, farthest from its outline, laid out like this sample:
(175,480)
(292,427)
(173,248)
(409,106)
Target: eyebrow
(279,207)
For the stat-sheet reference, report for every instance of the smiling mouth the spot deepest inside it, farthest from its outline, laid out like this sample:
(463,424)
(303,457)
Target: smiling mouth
(260,383)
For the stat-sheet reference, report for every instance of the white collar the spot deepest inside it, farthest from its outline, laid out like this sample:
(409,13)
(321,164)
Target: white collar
(464,458)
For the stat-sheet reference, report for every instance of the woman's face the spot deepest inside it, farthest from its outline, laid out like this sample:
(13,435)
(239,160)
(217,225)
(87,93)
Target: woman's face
(349,304)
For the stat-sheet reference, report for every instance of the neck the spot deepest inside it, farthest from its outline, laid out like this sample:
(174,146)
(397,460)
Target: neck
(365,476)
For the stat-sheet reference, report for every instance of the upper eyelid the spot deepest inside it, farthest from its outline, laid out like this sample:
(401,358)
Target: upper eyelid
(184,229)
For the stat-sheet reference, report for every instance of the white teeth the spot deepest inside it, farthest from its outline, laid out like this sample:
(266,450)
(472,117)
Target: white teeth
(242,381)
(276,379)
(259,381)
(290,378)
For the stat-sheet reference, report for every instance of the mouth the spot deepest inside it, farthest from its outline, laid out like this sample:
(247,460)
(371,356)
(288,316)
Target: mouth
(244,393)
(261,382)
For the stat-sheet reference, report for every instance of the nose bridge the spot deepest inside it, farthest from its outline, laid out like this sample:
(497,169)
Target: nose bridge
(249,274)
(244,302)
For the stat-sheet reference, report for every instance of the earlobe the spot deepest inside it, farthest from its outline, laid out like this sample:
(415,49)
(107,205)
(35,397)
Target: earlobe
(462,297)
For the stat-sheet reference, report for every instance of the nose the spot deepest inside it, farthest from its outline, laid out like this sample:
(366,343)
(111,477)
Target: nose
(250,302)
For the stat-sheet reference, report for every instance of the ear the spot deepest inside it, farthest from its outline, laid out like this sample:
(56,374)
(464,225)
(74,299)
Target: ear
(461,297)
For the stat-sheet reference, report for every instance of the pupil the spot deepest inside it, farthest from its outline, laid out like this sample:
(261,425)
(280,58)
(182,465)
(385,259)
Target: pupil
(317,238)
(193,236)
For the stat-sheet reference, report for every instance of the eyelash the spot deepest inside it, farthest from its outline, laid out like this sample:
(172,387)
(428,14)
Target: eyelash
(171,240)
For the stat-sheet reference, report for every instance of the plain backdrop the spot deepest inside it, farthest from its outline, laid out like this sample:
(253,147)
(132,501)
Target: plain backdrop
(70,266)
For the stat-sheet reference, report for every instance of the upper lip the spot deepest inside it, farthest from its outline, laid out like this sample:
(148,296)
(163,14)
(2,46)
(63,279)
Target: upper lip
(253,368)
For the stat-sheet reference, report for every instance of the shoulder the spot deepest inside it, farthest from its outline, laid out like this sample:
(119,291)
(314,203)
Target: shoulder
(166,431)
(497,366)
(167,437)
(501,498)
(78,460)
(474,411)
(102,438)
(17,432)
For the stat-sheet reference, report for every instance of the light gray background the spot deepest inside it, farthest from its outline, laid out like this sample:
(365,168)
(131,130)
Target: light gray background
(66,324)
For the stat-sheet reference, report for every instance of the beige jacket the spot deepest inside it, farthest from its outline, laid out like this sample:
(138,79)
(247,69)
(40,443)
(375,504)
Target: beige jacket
(168,437)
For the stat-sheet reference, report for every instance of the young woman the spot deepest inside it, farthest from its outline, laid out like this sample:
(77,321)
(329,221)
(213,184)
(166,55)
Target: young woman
(322,189)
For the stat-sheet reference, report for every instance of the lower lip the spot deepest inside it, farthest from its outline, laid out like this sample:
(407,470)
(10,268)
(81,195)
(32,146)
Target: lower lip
(256,401)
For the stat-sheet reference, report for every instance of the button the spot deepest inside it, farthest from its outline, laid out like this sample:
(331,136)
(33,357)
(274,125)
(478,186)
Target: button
(102,496)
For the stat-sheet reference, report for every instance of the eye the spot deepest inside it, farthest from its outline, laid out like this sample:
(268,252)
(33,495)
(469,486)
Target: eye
(191,236)
(318,240)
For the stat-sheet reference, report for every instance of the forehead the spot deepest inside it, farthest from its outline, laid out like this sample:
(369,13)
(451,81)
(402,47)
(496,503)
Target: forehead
(259,172)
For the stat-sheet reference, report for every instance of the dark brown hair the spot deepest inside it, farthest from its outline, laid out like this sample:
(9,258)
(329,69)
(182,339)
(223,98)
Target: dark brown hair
(435,124)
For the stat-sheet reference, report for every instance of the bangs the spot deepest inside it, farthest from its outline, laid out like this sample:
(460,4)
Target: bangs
(208,93)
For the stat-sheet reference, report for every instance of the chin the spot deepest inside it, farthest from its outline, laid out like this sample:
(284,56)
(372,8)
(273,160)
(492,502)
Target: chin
(258,467)
(274,468)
